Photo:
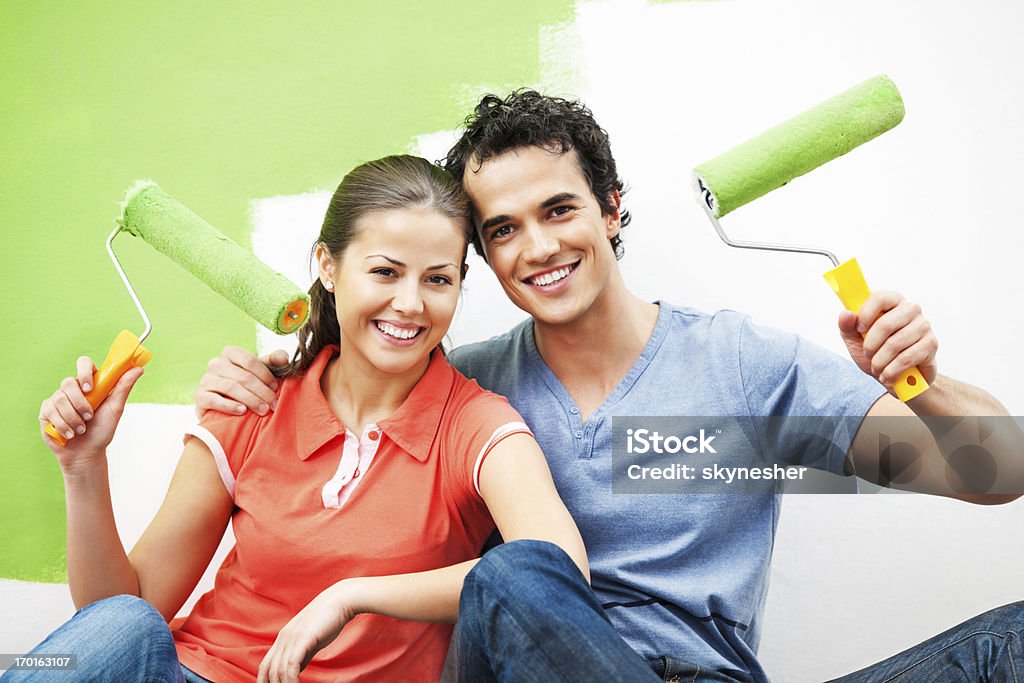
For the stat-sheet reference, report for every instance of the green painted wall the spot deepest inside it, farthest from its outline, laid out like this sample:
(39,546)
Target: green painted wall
(220,103)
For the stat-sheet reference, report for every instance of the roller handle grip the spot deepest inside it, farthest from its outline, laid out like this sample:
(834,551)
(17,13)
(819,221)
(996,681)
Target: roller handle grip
(848,282)
(125,353)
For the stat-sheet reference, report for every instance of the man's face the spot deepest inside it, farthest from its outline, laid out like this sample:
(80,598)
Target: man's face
(542,231)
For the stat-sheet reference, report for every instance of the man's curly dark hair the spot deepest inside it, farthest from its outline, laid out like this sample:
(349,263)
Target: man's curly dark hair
(526,118)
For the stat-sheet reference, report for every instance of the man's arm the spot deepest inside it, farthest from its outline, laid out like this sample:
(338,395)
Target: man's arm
(953,440)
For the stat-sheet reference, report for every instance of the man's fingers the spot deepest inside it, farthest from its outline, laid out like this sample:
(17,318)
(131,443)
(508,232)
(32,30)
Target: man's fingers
(896,344)
(208,400)
(918,354)
(874,307)
(241,358)
(241,389)
(277,358)
(222,369)
(888,324)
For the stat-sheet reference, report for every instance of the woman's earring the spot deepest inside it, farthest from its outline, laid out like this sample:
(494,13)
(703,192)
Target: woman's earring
(329,286)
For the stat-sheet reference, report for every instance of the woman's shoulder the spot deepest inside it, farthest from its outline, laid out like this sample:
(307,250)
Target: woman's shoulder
(470,405)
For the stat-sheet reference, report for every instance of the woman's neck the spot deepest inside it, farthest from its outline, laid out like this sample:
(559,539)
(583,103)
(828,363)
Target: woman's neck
(360,393)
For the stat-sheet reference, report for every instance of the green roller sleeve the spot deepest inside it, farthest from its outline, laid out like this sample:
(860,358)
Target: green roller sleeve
(267,296)
(799,145)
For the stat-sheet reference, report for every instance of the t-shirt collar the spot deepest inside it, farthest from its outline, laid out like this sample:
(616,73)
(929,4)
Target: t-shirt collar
(413,427)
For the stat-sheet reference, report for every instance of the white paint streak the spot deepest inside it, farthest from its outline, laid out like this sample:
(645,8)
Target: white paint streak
(284,230)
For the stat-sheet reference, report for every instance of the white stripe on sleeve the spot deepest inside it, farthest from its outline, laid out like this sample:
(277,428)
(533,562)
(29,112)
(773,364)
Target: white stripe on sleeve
(500,433)
(204,435)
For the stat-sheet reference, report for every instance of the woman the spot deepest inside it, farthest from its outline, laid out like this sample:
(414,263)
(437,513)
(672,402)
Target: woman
(368,395)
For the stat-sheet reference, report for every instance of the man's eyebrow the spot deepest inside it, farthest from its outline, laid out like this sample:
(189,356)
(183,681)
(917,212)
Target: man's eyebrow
(546,204)
(491,222)
(394,262)
(559,198)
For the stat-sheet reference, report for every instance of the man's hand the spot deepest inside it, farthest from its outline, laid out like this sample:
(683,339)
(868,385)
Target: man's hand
(890,335)
(236,380)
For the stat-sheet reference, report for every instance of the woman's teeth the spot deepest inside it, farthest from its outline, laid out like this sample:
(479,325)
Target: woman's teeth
(395,332)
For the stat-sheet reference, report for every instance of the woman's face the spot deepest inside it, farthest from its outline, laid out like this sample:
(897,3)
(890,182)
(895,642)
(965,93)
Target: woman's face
(396,287)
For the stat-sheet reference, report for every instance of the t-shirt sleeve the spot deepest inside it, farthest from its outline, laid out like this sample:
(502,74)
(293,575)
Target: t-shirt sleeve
(816,399)
(230,438)
(482,422)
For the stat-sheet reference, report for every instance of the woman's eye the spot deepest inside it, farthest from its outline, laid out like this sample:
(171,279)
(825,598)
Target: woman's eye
(439,280)
(384,272)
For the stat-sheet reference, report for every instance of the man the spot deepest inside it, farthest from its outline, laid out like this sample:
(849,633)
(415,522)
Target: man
(678,580)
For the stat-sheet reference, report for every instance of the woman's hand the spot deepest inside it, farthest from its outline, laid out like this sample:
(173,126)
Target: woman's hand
(87,434)
(309,631)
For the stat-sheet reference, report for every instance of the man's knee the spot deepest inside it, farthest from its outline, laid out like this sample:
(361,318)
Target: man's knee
(522,561)
(128,615)
(1005,619)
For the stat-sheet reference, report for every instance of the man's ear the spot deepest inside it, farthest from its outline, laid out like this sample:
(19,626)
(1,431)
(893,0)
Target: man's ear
(614,219)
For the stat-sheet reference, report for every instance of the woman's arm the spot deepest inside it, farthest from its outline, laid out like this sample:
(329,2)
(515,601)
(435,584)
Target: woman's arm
(516,485)
(177,545)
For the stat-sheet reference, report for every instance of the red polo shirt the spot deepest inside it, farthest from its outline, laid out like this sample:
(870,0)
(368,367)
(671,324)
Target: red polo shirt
(417,507)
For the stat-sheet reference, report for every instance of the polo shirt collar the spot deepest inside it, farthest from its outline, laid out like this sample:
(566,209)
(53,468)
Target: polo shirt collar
(413,426)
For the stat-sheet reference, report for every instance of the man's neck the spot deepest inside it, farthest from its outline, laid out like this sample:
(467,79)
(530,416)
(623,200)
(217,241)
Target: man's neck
(592,354)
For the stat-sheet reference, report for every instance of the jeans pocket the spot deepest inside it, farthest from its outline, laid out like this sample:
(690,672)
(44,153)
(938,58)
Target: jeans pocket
(675,670)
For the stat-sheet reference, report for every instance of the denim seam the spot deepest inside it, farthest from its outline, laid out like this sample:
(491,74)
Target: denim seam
(937,652)
(1013,666)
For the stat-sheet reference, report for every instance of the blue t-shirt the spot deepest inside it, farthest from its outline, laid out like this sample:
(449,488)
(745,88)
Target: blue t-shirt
(679,575)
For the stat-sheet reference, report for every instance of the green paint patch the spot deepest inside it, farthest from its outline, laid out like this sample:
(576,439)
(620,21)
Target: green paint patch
(219,104)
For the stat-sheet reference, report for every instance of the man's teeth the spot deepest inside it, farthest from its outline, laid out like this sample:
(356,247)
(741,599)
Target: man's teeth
(395,332)
(554,276)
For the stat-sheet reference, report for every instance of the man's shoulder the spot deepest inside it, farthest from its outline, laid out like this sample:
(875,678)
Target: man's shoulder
(706,327)
(477,359)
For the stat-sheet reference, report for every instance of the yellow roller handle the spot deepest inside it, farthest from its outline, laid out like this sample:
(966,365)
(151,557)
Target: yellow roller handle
(848,283)
(125,353)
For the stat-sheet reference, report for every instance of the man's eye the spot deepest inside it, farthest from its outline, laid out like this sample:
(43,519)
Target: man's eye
(561,210)
(503,231)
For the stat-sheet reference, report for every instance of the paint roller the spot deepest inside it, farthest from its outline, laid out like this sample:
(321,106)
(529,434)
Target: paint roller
(169,227)
(793,148)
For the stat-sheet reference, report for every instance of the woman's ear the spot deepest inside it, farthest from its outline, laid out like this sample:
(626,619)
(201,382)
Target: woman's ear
(325,267)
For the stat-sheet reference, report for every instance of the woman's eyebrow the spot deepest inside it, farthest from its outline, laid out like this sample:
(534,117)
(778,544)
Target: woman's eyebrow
(396,262)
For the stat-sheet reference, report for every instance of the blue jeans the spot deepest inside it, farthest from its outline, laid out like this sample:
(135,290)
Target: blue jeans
(985,648)
(527,614)
(118,639)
